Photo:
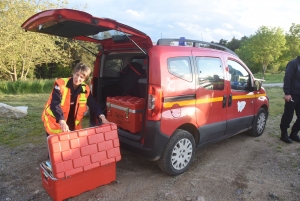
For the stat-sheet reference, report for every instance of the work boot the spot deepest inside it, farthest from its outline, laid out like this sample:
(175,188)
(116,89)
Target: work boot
(294,136)
(285,137)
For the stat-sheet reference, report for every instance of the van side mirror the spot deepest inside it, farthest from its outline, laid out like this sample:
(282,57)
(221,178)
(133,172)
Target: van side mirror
(257,85)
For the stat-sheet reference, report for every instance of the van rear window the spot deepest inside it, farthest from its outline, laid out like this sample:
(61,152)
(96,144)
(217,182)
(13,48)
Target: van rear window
(180,67)
(114,65)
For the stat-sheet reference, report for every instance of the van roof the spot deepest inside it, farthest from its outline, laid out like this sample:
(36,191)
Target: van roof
(192,43)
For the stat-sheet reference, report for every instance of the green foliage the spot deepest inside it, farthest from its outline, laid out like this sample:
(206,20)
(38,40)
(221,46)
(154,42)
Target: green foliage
(62,71)
(264,47)
(21,51)
(233,44)
(48,85)
(25,87)
(292,42)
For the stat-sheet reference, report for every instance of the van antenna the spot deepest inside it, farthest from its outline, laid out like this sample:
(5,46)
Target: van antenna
(131,39)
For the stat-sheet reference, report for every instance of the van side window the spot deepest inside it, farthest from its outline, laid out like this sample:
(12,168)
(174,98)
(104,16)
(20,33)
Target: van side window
(239,76)
(210,73)
(180,67)
(114,65)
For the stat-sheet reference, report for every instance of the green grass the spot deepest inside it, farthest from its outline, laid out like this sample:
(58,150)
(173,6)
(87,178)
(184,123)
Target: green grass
(276,106)
(271,78)
(14,132)
(26,87)
(276,100)
(26,130)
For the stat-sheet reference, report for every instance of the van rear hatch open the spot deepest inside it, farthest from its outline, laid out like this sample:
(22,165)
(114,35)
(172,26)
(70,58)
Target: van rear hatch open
(80,25)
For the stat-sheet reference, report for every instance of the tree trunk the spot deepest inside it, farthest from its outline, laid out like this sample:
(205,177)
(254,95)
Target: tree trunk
(15,73)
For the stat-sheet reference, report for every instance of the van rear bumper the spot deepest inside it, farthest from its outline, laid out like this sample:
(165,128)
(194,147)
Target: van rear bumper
(154,142)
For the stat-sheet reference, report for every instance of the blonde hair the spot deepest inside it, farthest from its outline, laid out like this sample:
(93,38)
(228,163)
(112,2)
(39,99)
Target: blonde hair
(82,68)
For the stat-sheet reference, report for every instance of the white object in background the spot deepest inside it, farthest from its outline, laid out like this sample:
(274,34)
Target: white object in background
(7,111)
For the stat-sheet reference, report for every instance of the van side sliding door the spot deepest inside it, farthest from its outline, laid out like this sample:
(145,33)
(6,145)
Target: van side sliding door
(211,96)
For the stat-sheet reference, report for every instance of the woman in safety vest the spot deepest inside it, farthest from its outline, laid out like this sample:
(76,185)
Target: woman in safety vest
(68,102)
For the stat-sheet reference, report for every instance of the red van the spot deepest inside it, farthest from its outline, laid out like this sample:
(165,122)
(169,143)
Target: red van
(169,98)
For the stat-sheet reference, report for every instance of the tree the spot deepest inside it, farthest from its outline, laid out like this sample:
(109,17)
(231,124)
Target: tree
(264,47)
(235,44)
(293,42)
(223,42)
(21,51)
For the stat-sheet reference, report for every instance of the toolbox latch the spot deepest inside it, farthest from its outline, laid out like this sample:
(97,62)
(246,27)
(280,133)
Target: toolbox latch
(108,107)
(126,113)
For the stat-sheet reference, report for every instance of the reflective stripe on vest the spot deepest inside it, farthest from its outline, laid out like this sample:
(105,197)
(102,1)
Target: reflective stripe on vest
(49,110)
(65,92)
(82,100)
(55,131)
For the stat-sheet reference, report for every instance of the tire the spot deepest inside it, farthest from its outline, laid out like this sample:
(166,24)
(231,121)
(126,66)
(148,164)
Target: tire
(178,154)
(259,123)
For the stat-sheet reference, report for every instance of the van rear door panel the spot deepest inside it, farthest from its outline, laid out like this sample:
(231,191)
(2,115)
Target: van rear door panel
(178,82)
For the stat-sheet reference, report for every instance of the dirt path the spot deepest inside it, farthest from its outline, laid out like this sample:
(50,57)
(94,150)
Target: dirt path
(240,168)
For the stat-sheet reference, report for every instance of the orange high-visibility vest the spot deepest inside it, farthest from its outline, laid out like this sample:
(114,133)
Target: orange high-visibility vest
(81,106)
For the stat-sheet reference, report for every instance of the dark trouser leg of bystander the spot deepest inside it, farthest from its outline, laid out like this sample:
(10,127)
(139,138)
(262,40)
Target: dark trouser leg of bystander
(286,120)
(285,137)
(296,127)
(294,135)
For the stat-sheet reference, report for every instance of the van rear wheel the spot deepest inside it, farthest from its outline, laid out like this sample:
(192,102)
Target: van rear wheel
(178,154)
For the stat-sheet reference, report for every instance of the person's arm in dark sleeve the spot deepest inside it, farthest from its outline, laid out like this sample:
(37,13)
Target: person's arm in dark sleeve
(93,106)
(287,80)
(55,104)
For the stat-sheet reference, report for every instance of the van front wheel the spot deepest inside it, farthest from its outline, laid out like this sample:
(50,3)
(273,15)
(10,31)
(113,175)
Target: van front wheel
(178,154)
(259,123)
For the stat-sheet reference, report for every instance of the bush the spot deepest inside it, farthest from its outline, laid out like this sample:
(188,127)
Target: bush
(37,86)
(48,86)
(26,87)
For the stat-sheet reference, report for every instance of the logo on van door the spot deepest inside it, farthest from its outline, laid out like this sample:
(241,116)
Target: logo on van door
(241,105)
(170,84)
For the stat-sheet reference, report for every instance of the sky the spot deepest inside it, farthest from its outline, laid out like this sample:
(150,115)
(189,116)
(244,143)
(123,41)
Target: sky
(207,20)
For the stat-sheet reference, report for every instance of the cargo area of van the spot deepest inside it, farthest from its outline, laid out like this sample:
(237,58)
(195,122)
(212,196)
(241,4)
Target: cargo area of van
(121,90)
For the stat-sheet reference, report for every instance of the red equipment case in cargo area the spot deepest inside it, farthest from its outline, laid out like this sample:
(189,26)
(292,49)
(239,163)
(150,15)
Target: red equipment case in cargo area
(81,161)
(126,112)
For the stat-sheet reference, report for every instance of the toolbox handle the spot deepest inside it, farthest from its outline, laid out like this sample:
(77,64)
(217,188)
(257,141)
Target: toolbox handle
(45,176)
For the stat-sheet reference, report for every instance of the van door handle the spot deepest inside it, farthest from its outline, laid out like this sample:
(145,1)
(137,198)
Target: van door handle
(229,100)
(224,101)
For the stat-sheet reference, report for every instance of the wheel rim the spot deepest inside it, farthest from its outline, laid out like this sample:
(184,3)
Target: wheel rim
(261,122)
(182,154)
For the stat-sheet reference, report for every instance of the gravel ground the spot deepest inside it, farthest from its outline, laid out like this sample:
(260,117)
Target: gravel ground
(239,168)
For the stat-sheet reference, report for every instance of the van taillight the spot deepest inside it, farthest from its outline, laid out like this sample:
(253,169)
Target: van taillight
(154,102)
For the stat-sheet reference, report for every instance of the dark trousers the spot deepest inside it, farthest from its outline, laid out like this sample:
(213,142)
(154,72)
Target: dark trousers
(287,117)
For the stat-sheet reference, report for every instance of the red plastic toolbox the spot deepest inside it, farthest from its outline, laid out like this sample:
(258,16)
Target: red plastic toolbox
(126,112)
(61,189)
(81,160)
